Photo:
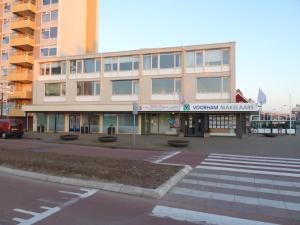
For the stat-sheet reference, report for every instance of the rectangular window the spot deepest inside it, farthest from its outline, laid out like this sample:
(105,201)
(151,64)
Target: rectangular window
(53,32)
(48,2)
(7,7)
(98,66)
(125,87)
(89,66)
(46,17)
(147,62)
(125,63)
(88,88)
(226,56)
(49,33)
(110,64)
(48,51)
(154,61)
(4,55)
(78,66)
(166,86)
(5,40)
(199,59)
(55,68)
(226,84)
(73,66)
(55,89)
(213,57)
(212,84)
(166,61)
(4,72)
(190,59)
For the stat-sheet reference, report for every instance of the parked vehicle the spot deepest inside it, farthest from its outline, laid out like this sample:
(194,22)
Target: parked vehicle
(11,128)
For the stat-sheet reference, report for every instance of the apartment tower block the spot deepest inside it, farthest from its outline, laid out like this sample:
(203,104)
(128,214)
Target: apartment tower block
(40,29)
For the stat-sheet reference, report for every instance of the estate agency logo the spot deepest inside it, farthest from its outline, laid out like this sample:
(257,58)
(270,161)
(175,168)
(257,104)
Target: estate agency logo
(186,107)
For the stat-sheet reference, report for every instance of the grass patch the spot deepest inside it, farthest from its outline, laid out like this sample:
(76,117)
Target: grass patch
(131,172)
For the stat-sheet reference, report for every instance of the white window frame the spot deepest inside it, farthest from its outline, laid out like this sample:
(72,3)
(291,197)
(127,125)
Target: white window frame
(126,97)
(214,95)
(170,96)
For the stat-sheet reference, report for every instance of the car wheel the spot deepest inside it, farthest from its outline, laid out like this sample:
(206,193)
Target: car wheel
(20,136)
(3,135)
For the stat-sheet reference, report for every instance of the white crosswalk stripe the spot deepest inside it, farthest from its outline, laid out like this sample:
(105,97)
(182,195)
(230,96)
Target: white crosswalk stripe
(269,186)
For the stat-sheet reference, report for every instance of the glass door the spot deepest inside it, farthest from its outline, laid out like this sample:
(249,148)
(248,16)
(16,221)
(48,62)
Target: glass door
(74,123)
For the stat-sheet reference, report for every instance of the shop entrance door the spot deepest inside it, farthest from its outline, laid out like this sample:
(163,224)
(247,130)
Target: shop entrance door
(74,123)
(194,125)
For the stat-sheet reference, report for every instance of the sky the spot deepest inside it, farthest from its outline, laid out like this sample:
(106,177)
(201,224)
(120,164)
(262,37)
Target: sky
(266,32)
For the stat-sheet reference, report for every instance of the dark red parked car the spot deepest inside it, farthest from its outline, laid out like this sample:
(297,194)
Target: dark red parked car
(11,128)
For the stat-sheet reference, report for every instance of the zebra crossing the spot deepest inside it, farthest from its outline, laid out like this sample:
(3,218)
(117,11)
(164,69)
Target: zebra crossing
(236,189)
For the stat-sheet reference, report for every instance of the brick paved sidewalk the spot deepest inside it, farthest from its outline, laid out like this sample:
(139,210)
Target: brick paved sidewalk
(281,146)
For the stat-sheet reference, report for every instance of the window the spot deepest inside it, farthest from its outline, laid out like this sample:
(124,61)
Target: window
(166,61)
(166,86)
(217,57)
(194,59)
(75,66)
(5,24)
(4,55)
(212,84)
(48,51)
(55,69)
(128,63)
(49,33)
(213,57)
(88,88)
(170,60)
(226,56)
(52,69)
(91,66)
(49,16)
(55,89)
(5,40)
(110,64)
(125,87)
(150,62)
(48,2)
(7,7)
(4,72)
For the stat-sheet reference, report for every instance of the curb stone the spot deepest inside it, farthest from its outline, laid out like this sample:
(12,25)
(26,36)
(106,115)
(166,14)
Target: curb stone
(107,186)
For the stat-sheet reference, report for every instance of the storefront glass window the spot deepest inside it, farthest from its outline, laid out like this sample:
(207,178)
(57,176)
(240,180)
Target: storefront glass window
(109,120)
(42,121)
(60,122)
(125,123)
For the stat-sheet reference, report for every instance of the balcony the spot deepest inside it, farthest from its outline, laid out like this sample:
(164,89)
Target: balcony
(24,59)
(22,76)
(24,8)
(23,42)
(23,25)
(16,112)
(22,94)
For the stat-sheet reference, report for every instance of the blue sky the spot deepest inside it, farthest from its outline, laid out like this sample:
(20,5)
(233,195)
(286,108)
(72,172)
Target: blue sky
(266,32)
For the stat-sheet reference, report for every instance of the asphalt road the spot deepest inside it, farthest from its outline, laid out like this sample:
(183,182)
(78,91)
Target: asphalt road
(31,201)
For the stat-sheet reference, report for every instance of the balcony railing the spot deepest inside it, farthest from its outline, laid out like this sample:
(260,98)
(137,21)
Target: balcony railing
(24,8)
(21,58)
(23,41)
(21,94)
(20,75)
(25,25)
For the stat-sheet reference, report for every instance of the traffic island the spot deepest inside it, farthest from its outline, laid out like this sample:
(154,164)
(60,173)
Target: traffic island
(178,143)
(108,138)
(69,137)
(138,178)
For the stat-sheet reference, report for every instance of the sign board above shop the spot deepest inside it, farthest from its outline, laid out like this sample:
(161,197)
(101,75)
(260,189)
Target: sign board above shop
(201,107)
(219,107)
(160,108)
